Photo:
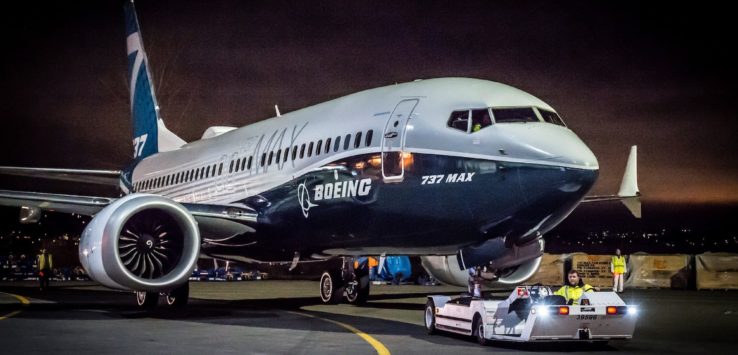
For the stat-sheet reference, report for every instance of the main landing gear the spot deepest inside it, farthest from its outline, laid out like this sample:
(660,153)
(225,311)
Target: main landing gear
(175,298)
(352,280)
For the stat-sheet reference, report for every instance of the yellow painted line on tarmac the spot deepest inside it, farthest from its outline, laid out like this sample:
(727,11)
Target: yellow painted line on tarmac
(379,347)
(22,300)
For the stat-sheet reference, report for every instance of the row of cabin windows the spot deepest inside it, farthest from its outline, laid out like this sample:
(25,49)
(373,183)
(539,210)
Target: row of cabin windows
(242,164)
(203,172)
(304,150)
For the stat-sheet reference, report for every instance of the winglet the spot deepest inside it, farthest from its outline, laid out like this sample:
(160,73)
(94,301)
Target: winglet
(629,186)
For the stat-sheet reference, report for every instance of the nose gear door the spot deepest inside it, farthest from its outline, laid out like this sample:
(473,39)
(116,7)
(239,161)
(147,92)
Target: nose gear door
(393,141)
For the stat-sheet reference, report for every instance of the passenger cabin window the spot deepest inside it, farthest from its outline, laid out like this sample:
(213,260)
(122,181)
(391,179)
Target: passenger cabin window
(310,150)
(511,115)
(337,144)
(357,140)
(347,142)
(318,146)
(551,117)
(327,146)
(480,119)
(459,120)
(369,135)
(302,151)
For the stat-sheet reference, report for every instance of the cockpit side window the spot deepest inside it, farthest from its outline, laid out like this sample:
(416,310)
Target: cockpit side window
(459,120)
(480,119)
(551,117)
(516,114)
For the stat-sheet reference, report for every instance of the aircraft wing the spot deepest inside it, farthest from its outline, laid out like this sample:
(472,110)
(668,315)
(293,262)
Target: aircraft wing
(628,193)
(213,220)
(99,177)
(85,205)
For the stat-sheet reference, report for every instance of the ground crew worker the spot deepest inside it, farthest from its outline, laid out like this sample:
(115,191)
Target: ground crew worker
(475,281)
(574,290)
(618,269)
(45,264)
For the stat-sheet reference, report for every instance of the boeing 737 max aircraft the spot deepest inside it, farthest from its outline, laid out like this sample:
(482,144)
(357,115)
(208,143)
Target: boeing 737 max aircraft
(462,172)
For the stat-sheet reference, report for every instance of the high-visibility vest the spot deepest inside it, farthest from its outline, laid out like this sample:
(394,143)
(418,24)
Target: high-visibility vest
(45,261)
(573,292)
(618,264)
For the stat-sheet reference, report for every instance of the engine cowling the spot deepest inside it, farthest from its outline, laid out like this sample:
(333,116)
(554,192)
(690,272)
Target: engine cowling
(141,242)
(512,265)
(445,268)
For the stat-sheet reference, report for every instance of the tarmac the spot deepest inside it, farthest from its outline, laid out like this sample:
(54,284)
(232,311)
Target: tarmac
(279,317)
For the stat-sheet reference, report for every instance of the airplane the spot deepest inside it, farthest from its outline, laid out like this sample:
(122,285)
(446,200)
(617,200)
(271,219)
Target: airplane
(461,172)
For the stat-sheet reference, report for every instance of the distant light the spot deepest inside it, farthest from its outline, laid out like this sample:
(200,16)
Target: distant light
(632,310)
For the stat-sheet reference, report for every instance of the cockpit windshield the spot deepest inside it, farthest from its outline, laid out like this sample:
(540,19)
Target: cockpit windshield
(551,117)
(474,120)
(516,114)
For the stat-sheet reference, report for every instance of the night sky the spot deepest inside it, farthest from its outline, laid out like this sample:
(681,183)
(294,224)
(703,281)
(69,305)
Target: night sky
(660,75)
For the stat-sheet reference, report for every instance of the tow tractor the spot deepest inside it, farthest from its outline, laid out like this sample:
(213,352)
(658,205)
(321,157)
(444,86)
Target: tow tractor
(533,314)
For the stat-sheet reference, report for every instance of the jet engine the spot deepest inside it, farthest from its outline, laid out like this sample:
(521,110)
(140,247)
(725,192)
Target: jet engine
(511,266)
(141,242)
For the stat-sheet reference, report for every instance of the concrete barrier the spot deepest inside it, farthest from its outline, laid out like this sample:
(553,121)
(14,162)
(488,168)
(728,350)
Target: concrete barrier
(594,269)
(717,271)
(551,271)
(662,271)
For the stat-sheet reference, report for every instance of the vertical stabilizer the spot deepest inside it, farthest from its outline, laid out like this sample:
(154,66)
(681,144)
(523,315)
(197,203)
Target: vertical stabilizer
(150,135)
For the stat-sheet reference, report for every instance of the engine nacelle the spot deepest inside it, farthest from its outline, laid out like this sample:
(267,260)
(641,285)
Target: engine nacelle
(141,242)
(513,265)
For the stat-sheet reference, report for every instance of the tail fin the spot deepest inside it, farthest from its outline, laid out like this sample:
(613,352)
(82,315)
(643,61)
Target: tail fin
(150,135)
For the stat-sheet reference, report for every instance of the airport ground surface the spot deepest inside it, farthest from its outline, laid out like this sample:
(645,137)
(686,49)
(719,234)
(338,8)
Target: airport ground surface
(278,317)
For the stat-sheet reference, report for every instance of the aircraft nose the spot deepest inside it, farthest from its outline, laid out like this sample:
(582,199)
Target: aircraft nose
(578,153)
(556,144)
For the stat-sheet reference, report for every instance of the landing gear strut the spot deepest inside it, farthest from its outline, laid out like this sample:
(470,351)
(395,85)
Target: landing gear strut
(147,299)
(176,298)
(354,282)
(179,296)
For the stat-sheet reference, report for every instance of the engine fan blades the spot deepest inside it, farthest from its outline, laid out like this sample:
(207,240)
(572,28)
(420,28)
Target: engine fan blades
(150,244)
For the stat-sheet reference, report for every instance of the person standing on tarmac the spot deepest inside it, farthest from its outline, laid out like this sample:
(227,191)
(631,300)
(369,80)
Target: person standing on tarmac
(618,270)
(45,264)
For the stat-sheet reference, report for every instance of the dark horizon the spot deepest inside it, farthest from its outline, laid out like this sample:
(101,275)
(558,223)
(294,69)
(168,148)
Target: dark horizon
(651,74)
(666,228)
